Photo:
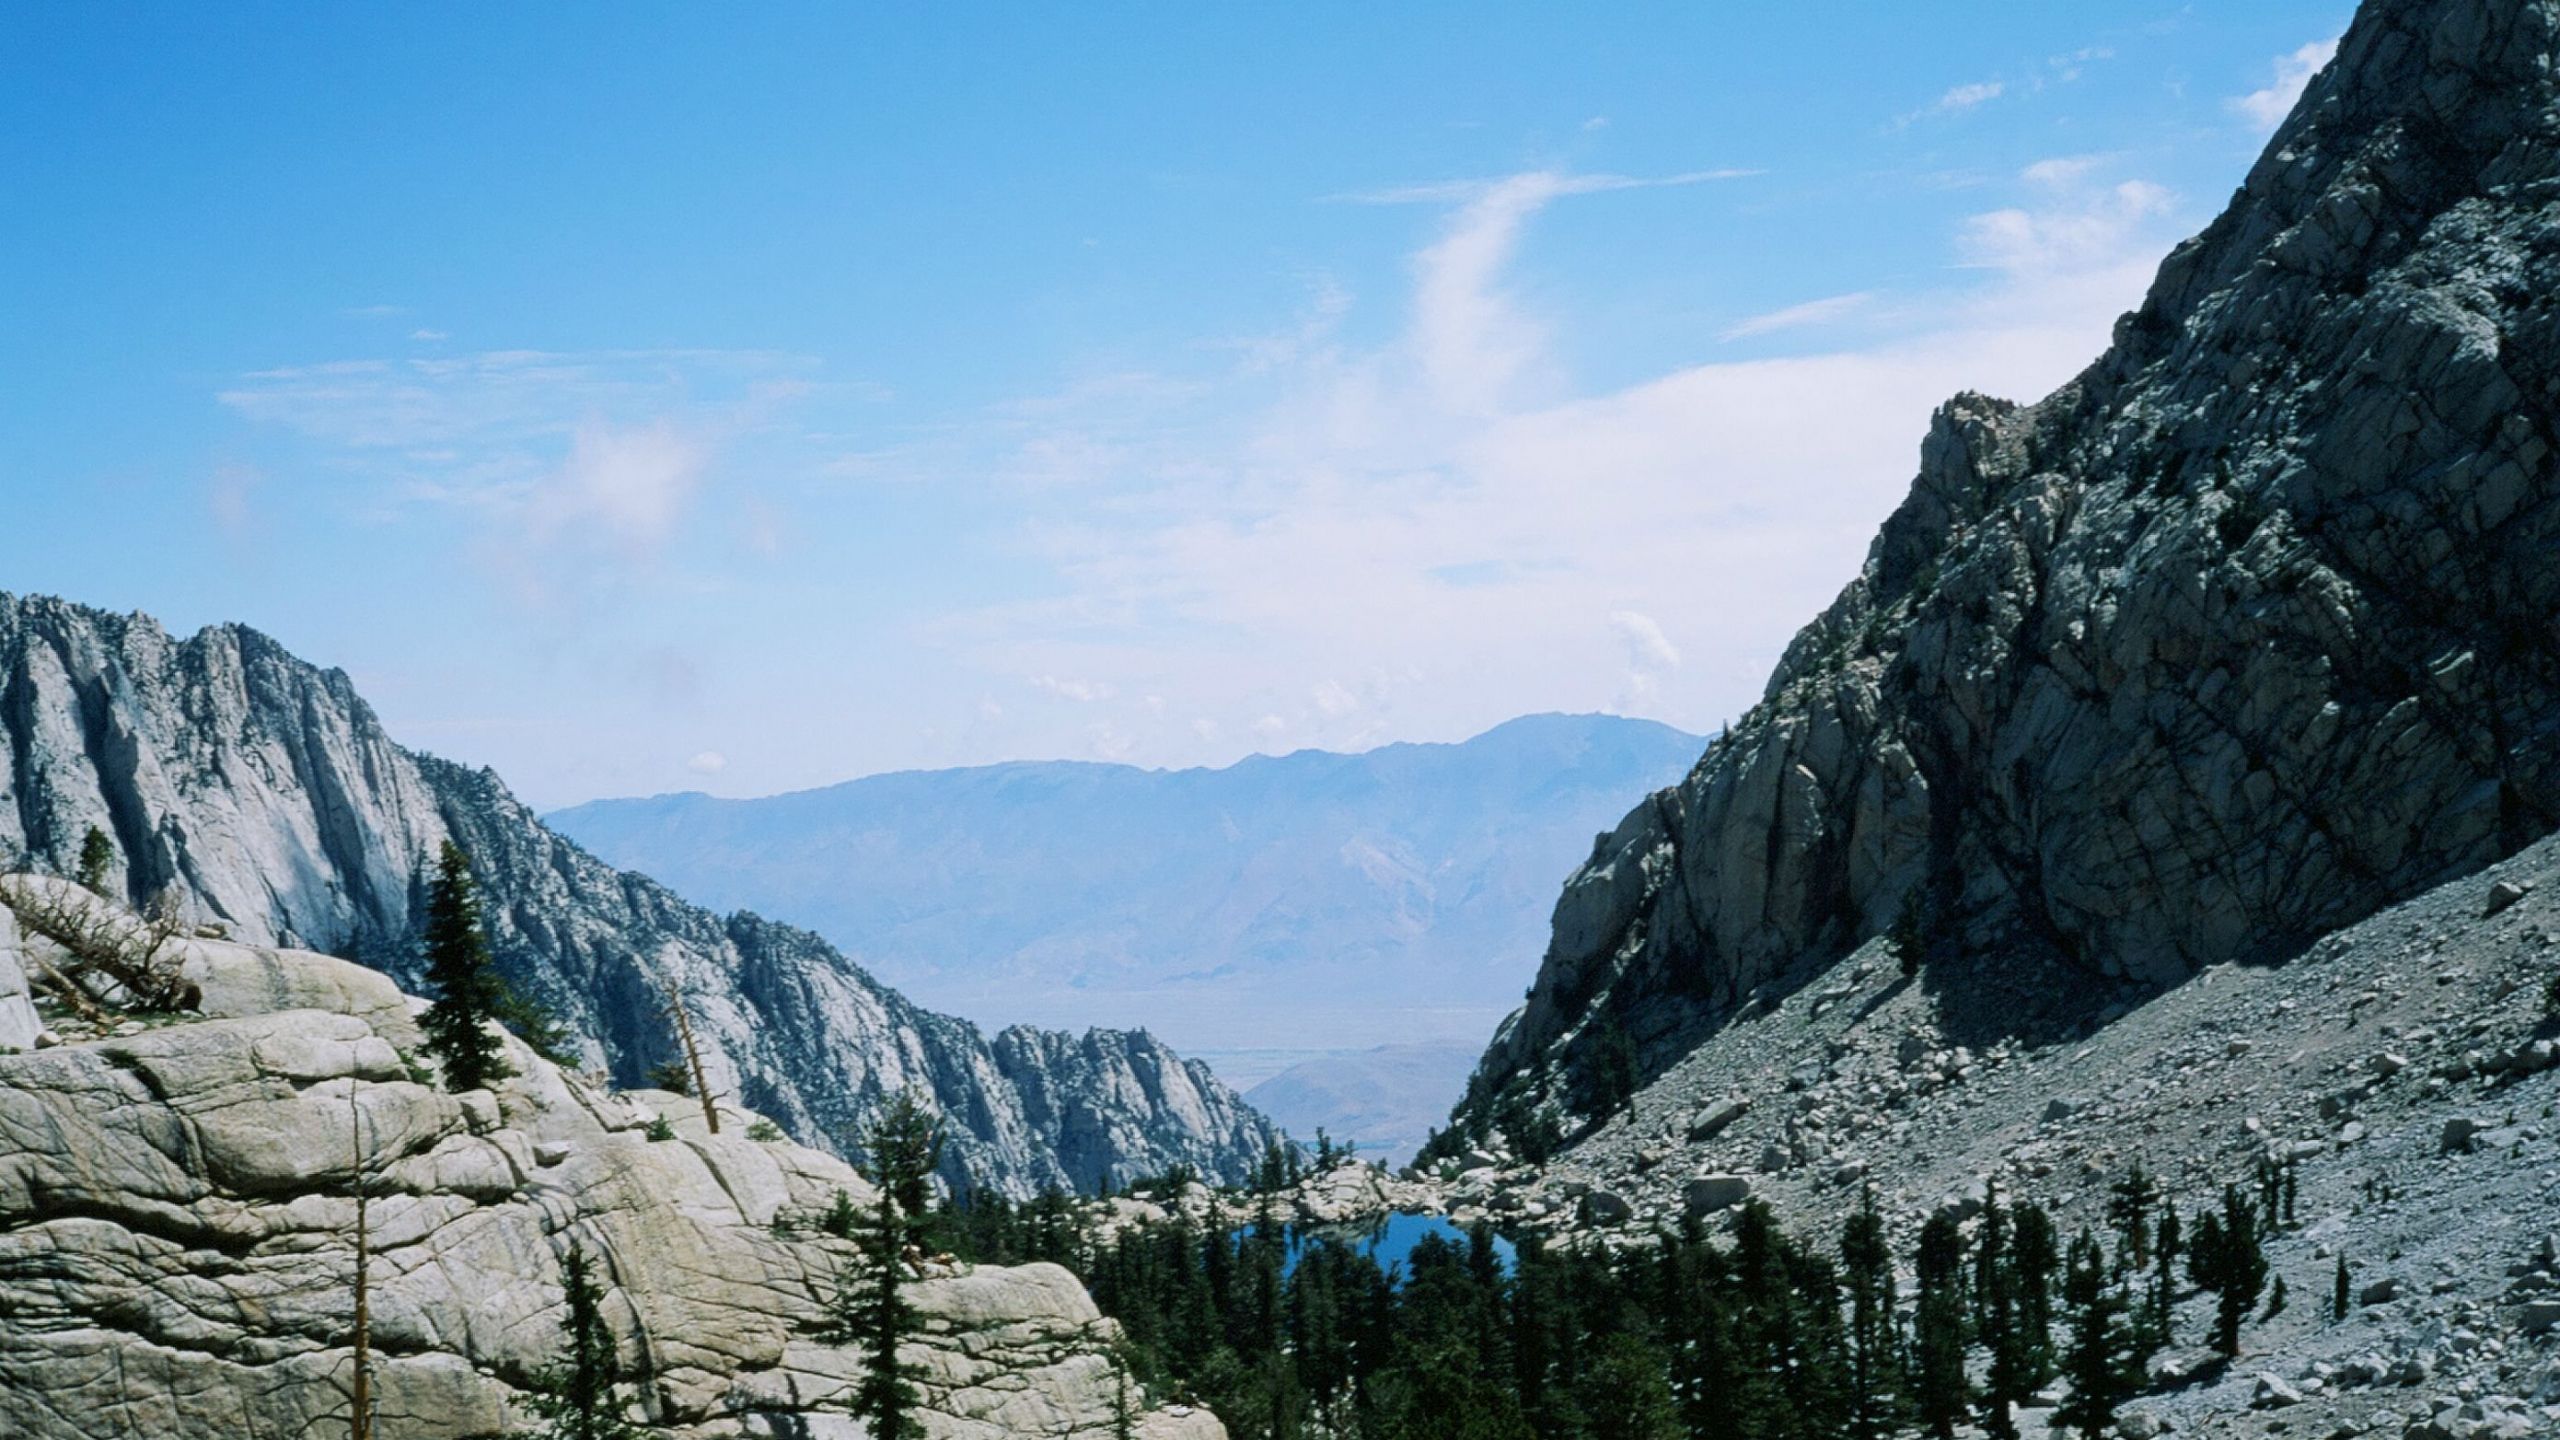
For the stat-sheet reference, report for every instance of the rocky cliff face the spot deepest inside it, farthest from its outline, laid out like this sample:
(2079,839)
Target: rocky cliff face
(2244,633)
(267,793)
(177,1251)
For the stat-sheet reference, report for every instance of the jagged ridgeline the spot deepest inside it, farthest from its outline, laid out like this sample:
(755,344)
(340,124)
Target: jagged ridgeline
(2244,633)
(264,790)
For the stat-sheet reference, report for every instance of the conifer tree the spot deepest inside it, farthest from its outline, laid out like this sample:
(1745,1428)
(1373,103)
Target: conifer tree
(2338,1293)
(1996,1321)
(2034,1258)
(467,987)
(1941,1392)
(574,1395)
(870,1308)
(1875,1349)
(2129,1204)
(97,860)
(2230,1261)
(905,1148)
(2102,1363)
(2165,1250)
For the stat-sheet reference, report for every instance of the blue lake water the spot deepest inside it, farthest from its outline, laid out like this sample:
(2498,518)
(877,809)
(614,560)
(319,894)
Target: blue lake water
(1391,1240)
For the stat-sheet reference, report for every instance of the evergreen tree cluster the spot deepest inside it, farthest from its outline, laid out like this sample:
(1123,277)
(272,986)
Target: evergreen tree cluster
(1762,1336)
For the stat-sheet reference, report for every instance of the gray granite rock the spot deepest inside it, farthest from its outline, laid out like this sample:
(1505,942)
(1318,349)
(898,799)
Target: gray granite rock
(177,1214)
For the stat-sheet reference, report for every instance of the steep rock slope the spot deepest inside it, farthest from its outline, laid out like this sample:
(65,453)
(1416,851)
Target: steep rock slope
(1288,901)
(266,791)
(2406,1069)
(2245,632)
(177,1222)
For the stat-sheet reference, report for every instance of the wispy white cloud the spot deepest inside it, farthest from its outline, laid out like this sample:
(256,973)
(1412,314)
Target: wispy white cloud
(2068,237)
(1083,692)
(574,472)
(230,496)
(707,762)
(625,486)
(1798,317)
(1650,654)
(2062,171)
(1447,529)
(1554,182)
(1956,100)
(2266,108)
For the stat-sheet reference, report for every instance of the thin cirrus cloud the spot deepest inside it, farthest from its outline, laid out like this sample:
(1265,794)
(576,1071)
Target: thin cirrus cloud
(2266,108)
(1811,313)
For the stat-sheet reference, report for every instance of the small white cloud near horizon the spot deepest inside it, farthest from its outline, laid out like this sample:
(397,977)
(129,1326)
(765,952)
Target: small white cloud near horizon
(707,762)
(1650,654)
(1083,692)
(2267,108)
(429,335)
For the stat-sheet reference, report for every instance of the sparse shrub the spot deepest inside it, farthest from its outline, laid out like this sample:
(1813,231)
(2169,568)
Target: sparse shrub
(764,1132)
(671,1076)
(660,1128)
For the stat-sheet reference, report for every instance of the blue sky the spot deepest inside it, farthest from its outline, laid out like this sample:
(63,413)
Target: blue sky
(641,398)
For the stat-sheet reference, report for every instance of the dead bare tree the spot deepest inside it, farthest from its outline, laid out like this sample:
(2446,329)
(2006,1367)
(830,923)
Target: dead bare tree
(692,1057)
(109,954)
(361,1427)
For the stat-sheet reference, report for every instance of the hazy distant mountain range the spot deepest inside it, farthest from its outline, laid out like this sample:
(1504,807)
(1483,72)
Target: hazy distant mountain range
(1313,900)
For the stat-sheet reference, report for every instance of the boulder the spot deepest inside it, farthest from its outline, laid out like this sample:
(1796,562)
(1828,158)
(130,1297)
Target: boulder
(1707,1194)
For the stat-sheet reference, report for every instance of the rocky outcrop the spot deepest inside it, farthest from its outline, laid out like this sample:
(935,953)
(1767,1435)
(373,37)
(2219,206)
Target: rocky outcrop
(177,1221)
(2245,632)
(267,794)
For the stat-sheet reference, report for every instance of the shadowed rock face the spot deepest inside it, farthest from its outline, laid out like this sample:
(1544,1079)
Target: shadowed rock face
(2244,633)
(177,1222)
(266,791)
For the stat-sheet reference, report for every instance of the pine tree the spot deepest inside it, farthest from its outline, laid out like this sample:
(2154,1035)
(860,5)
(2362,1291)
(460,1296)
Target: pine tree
(2231,1262)
(1875,1349)
(2157,1335)
(1996,1320)
(467,988)
(97,860)
(905,1148)
(2338,1294)
(1941,1391)
(871,1310)
(575,1393)
(2102,1363)
(2129,1204)
(2034,1257)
